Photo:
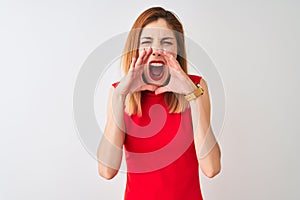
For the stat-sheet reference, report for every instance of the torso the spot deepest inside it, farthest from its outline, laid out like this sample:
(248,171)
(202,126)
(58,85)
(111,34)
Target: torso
(160,153)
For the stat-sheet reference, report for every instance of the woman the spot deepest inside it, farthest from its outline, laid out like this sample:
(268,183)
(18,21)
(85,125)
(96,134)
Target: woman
(160,114)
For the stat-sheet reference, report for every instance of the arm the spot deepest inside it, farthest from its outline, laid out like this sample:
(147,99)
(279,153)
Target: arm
(110,148)
(207,148)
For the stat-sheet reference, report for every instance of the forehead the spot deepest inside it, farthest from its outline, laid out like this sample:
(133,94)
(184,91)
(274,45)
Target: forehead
(157,28)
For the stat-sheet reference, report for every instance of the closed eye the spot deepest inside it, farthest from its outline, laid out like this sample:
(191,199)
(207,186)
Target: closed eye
(145,42)
(169,43)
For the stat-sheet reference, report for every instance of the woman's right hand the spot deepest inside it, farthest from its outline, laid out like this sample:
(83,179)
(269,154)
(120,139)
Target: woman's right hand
(132,81)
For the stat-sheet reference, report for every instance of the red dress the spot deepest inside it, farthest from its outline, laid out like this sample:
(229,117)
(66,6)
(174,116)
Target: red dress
(160,153)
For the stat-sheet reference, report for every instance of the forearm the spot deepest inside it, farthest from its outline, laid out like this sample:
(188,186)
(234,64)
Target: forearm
(206,145)
(110,147)
(109,158)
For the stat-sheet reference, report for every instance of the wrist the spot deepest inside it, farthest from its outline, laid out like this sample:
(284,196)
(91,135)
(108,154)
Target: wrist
(195,93)
(121,89)
(119,94)
(192,87)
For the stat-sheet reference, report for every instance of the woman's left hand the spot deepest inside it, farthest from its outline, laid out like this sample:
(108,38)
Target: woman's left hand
(180,82)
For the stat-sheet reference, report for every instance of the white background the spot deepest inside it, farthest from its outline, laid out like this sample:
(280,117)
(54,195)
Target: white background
(254,44)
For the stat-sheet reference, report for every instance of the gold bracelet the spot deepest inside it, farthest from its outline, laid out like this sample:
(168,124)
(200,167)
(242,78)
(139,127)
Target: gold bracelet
(198,92)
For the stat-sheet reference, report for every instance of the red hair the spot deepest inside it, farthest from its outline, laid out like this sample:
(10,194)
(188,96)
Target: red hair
(176,103)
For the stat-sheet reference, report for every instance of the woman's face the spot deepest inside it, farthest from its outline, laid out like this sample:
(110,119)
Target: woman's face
(159,37)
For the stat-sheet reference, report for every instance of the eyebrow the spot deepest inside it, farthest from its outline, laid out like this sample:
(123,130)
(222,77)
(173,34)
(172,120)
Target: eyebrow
(147,38)
(150,38)
(167,38)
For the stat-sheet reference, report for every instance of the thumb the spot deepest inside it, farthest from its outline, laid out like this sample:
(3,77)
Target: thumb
(161,90)
(147,87)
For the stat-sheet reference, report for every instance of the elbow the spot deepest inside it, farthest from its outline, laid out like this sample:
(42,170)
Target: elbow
(211,170)
(211,173)
(106,176)
(106,172)
(211,165)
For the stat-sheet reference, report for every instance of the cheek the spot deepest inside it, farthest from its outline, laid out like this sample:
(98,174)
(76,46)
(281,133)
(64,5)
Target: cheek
(173,51)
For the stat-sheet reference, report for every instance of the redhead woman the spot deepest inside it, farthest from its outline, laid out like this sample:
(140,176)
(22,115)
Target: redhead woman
(159,115)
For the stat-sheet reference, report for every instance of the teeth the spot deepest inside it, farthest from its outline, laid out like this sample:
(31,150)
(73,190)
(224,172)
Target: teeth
(157,64)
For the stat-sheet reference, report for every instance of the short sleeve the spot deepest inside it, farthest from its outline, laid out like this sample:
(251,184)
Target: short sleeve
(115,84)
(195,78)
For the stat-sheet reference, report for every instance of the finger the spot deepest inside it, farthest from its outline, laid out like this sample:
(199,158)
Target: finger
(139,61)
(167,58)
(174,63)
(166,54)
(147,87)
(150,87)
(162,90)
(132,64)
(149,51)
(171,61)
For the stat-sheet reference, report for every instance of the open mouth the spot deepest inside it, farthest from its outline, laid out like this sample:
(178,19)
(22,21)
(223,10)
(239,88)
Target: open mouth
(156,70)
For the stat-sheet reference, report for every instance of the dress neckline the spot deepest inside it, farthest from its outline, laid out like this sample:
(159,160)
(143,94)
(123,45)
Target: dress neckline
(152,93)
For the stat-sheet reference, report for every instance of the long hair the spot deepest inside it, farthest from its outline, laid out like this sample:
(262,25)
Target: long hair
(176,103)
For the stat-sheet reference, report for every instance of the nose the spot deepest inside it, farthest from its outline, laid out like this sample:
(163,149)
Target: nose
(156,51)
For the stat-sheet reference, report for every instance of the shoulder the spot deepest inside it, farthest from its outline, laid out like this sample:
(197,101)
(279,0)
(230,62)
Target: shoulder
(195,78)
(115,84)
(198,79)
